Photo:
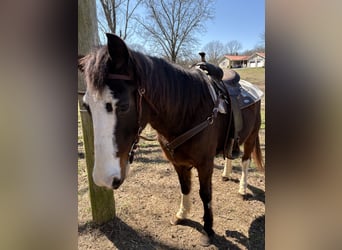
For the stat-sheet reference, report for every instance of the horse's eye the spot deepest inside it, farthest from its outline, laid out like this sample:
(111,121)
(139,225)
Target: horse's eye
(123,108)
(109,107)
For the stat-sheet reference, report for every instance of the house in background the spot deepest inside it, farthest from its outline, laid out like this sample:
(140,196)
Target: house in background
(234,61)
(256,60)
(231,61)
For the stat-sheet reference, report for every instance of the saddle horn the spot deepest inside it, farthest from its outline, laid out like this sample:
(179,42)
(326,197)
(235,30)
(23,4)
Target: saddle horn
(202,54)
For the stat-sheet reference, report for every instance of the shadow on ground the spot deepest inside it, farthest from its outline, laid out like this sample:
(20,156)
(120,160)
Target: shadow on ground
(125,237)
(256,240)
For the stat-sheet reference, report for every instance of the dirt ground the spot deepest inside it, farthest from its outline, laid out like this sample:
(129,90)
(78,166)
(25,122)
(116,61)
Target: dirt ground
(150,197)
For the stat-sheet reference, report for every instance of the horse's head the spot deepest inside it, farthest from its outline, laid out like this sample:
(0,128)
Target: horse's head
(111,97)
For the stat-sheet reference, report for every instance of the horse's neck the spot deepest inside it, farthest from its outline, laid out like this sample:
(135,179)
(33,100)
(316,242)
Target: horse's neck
(151,115)
(172,120)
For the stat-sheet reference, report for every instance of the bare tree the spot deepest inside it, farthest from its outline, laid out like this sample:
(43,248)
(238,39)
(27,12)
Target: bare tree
(247,52)
(109,8)
(172,24)
(137,47)
(117,15)
(214,51)
(233,47)
(262,38)
(260,47)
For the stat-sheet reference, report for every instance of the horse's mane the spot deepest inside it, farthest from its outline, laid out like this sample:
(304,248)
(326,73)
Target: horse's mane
(179,92)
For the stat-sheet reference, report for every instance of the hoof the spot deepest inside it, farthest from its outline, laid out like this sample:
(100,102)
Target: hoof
(176,221)
(224,178)
(242,193)
(244,197)
(205,240)
(248,197)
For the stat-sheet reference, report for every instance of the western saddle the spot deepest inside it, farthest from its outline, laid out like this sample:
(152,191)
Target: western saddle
(226,85)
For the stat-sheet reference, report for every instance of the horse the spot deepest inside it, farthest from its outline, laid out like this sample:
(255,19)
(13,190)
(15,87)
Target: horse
(126,90)
(249,139)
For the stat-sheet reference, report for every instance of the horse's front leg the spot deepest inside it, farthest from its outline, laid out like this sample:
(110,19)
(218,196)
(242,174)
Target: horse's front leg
(184,176)
(204,175)
(227,170)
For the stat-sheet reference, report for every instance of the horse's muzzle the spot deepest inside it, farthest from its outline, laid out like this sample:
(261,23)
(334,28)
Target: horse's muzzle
(116,183)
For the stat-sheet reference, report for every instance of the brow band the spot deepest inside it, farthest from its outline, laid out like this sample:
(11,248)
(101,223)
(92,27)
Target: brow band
(119,77)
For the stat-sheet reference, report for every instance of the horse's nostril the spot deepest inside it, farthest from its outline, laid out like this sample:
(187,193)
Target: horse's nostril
(116,183)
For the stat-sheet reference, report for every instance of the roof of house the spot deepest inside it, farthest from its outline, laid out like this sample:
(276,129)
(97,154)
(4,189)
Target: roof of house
(236,58)
(243,58)
(261,54)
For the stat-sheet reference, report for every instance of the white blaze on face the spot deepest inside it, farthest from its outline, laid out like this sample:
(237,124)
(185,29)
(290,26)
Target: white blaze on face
(107,165)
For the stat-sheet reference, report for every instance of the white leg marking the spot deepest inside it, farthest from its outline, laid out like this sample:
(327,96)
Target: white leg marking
(227,168)
(243,180)
(184,207)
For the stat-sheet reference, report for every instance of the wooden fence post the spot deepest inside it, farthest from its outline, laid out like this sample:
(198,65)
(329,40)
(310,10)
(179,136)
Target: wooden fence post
(101,199)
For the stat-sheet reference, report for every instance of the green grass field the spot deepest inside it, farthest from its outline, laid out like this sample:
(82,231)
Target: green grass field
(253,75)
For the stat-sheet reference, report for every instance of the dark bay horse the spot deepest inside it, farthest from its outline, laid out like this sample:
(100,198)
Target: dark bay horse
(125,90)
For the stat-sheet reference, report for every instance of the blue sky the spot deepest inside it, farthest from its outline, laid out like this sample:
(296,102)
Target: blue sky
(241,20)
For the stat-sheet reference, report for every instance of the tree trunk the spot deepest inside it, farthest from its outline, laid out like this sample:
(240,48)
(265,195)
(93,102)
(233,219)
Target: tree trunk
(101,199)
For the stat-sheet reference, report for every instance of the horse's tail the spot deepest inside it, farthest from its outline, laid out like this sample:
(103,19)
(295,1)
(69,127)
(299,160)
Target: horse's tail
(257,156)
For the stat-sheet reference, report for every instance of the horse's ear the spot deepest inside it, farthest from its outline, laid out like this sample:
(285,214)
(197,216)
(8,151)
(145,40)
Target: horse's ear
(81,63)
(118,50)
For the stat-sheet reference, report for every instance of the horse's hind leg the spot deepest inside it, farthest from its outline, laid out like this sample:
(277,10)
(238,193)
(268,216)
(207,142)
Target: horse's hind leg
(244,172)
(243,181)
(184,176)
(248,147)
(227,170)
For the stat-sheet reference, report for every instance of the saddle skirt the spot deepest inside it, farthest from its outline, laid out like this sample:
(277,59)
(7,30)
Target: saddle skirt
(247,95)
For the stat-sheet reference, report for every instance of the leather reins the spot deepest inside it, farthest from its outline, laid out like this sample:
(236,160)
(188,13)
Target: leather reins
(175,143)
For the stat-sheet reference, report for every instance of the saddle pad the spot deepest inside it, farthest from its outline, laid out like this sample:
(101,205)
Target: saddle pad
(246,95)
(249,94)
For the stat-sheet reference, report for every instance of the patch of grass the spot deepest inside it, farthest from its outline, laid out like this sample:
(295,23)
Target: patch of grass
(263,125)
(253,75)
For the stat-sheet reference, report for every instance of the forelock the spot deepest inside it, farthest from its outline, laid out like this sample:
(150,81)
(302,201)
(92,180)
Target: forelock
(95,68)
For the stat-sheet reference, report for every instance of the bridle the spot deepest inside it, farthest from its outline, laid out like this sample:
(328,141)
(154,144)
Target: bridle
(119,77)
(141,93)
